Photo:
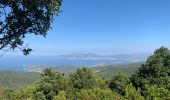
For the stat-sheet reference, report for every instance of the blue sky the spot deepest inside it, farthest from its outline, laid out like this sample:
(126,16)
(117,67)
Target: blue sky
(107,27)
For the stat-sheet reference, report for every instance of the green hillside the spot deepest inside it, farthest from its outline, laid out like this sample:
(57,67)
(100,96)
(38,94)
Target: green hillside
(12,79)
(107,71)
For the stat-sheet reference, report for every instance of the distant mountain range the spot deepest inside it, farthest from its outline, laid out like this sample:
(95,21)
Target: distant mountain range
(118,58)
(79,55)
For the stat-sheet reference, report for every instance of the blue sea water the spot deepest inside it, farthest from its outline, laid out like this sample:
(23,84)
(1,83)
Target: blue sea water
(17,63)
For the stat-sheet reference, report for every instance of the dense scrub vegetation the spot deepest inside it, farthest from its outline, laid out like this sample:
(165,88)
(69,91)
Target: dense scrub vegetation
(149,82)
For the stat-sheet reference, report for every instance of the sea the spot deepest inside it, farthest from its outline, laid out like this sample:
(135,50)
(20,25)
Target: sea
(20,63)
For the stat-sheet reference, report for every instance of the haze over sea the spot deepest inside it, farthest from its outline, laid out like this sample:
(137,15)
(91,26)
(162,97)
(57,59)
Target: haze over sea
(21,63)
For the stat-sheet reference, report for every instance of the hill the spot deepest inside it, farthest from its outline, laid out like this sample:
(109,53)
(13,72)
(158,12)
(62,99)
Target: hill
(13,80)
(107,71)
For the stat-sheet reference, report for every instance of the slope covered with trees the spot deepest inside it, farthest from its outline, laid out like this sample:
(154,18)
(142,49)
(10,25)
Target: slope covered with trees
(107,71)
(15,80)
(149,82)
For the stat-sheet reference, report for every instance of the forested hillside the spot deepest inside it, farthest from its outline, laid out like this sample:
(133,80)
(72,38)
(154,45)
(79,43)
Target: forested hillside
(14,80)
(107,71)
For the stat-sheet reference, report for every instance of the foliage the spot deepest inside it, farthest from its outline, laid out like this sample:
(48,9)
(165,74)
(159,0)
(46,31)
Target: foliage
(157,93)
(155,71)
(97,94)
(118,83)
(83,78)
(21,17)
(49,85)
(24,93)
(132,94)
(4,93)
(60,96)
(7,95)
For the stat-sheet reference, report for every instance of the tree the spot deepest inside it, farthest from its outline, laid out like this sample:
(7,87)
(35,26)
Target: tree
(25,93)
(50,84)
(83,78)
(156,93)
(132,94)
(2,92)
(60,96)
(97,94)
(118,83)
(156,70)
(5,94)
(21,17)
